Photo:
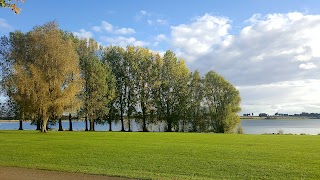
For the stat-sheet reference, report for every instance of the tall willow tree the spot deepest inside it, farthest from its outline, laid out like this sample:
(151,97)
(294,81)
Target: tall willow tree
(45,74)
(221,102)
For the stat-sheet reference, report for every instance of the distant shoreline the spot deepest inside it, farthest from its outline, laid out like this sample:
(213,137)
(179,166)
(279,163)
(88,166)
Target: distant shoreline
(30,120)
(276,117)
(9,120)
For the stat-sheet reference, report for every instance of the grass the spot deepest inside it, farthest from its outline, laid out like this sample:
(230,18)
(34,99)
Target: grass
(165,155)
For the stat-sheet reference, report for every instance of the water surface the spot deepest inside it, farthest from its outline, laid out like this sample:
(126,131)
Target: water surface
(287,126)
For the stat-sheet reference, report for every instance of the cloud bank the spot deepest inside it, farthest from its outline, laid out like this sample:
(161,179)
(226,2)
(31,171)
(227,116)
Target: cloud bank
(270,50)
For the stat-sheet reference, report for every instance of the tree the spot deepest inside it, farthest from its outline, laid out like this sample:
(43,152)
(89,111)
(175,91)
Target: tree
(98,93)
(222,102)
(143,80)
(115,58)
(156,82)
(195,102)
(13,6)
(130,72)
(173,90)
(45,74)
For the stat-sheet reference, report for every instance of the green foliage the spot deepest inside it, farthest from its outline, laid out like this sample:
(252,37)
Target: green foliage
(195,110)
(165,155)
(222,103)
(115,58)
(173,91)
(99,84)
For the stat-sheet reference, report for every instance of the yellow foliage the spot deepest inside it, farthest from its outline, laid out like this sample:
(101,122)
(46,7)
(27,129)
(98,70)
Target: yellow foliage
(13,6)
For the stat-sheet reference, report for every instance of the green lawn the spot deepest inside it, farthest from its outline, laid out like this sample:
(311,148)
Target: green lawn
(165,155)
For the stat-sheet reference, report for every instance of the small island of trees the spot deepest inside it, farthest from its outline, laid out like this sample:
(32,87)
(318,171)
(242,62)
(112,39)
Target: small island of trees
(47,73)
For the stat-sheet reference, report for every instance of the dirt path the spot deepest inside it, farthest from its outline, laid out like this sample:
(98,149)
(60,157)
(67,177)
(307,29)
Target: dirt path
(13,173)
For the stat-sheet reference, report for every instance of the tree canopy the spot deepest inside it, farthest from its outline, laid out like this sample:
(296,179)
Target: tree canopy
(45,76)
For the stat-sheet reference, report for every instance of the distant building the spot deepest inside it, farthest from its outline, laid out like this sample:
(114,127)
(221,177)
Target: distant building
(263,115)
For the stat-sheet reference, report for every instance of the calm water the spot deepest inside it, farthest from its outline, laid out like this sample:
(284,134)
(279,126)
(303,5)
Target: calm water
(297,126)
(294,126)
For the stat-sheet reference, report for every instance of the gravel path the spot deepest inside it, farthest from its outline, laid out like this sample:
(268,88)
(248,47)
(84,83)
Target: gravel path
(14,173)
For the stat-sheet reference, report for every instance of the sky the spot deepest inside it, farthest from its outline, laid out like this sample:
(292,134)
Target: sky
(268,49)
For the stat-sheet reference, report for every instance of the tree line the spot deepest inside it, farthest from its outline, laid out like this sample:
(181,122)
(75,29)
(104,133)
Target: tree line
(48,73)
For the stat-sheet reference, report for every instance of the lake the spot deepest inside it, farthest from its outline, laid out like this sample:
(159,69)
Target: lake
(294,126)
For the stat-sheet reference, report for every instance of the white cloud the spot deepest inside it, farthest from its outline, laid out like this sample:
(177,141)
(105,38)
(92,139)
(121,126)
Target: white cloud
(201,36)
(284,97)
(106,26)
(161,21)
(83,34)
(142,12)
(96,28)
(161,37)
(307,66)
(150,18)
(267,51)
(4,25)
(109,28)
(142,15)
(125,31)
(123,41)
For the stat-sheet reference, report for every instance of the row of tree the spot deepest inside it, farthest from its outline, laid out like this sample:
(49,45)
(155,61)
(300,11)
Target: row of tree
(48,72)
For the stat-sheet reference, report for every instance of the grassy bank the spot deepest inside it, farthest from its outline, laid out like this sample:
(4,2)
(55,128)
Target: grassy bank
(165,155)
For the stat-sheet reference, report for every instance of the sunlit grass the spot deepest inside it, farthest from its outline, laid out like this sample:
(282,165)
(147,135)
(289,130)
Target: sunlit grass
(165,155)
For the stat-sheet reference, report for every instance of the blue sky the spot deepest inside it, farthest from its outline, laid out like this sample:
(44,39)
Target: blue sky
(267,48)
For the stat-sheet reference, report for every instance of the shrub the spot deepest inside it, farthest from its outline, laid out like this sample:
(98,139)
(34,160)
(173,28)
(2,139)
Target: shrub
(281,132)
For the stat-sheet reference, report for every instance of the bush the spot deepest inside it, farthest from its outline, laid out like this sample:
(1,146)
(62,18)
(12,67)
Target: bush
(240,129)
(281,132)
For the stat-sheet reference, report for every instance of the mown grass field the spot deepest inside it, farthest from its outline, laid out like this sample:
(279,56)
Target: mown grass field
(165,155)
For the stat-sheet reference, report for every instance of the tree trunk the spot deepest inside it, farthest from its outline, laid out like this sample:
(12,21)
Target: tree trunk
(20,125)
(86,121)
(129,124)
(70,122)
(91,124)
(60,125)
(183,125)
(121,116)
(44,124)
(169,123)
(144,123)
(110,125)
(38,125)
(129,111)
